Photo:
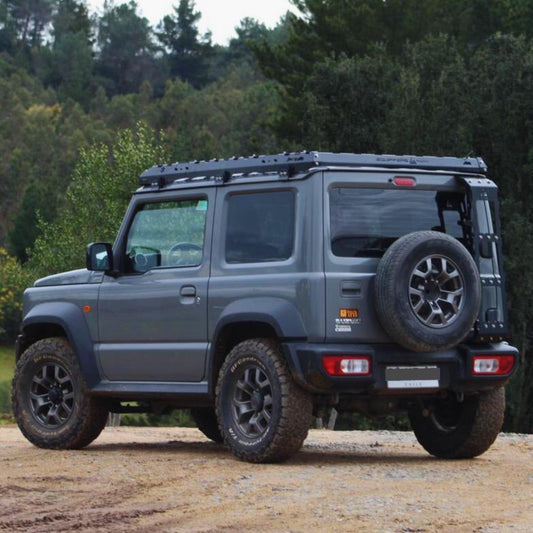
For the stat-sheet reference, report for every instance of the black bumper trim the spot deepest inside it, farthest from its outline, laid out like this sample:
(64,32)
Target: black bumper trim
(305,361)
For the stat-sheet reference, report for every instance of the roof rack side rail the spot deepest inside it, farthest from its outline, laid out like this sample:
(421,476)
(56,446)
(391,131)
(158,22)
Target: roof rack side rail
(292,163)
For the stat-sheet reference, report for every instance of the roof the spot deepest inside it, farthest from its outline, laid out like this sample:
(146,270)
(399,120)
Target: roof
(292,163)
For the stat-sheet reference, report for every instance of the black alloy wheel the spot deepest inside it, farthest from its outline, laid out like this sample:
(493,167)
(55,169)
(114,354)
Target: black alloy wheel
(51,395)
(436,291)
(252,401)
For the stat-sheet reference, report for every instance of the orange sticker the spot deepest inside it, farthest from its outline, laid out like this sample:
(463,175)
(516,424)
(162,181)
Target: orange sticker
(348,313)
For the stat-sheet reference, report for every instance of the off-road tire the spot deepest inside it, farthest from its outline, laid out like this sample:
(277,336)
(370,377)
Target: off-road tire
(206,420)
(89,414)
(479,421)
(392,285)
(292,407)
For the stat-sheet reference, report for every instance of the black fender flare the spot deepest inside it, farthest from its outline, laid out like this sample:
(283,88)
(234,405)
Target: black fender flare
(280,314)
(71,319)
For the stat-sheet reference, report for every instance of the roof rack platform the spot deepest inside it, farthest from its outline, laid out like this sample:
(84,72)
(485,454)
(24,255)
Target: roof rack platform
(291,163)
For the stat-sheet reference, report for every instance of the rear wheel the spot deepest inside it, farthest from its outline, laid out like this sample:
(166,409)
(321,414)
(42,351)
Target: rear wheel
(50,399)
(263,415)
(454,429)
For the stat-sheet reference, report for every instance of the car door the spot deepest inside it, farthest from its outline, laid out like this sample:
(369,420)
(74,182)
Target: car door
(153,316)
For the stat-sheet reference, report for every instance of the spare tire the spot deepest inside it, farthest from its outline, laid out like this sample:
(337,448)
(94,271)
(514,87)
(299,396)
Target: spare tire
(427,291)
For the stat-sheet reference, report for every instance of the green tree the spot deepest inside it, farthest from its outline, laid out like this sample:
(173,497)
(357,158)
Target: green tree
(331,29)
(346,104)
(103,181)
(519,15)
(71,16)
(13,281)
(187,51)
(125,57)
(502,123)
(8,29)
(69,60)
(429,101)
(30,18)
(18,92)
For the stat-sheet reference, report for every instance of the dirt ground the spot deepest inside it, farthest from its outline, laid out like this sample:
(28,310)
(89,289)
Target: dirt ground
(173,479)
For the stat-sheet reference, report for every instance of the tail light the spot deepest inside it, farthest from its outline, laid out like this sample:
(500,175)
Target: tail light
(347,365)
(492,365)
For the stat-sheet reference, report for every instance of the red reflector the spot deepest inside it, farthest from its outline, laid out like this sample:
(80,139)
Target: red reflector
(494,365)
(347,365)
(400,181)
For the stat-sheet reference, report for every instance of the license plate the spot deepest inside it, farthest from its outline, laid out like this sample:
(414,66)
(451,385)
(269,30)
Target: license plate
(412,377)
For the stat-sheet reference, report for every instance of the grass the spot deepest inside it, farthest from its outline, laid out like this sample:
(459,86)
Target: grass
(7,366)
(7,362)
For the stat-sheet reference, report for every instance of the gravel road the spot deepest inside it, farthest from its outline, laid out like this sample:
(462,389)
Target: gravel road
(173,479)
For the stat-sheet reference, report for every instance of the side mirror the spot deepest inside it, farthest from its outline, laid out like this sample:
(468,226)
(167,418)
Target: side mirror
(100,257)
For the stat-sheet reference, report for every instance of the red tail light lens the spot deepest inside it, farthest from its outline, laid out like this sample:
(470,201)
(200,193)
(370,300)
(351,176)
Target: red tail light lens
(347,365)
(492,365)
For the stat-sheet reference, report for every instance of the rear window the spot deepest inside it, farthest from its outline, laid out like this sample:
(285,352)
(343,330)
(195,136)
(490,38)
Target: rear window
(365,222)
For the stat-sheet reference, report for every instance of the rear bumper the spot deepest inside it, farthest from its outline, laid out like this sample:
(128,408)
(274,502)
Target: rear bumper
(455,367)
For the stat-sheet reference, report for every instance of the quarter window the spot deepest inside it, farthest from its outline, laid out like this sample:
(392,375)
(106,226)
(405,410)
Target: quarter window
(260,227)
(166,234)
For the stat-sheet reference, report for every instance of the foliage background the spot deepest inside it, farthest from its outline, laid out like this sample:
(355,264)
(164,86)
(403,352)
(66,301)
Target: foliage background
(87,102)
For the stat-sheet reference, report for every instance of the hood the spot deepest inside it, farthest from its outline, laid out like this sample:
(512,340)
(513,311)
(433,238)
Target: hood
(73,277)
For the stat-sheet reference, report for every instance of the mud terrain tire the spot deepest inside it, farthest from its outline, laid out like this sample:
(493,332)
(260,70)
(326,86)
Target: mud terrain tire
(428,291)
(460,430)
(49,369)
(263,415)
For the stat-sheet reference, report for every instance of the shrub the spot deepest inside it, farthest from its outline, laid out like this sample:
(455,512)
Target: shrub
(13,280)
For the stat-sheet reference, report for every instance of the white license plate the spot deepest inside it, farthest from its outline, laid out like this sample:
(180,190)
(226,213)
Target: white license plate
(414,384)
(412,377)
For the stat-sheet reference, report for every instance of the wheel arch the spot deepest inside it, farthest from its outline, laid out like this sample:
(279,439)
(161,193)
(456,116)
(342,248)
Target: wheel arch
(247,319)
(61,319)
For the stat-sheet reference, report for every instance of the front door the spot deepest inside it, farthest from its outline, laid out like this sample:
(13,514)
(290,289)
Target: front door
(153,316)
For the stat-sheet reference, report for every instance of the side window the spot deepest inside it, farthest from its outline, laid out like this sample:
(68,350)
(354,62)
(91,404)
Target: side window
(260,227)
(166,234)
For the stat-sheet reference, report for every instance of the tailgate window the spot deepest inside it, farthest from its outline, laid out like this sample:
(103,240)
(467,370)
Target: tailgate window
(365,222)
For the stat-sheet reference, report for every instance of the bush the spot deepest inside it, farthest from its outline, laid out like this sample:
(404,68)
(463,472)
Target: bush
(13,280)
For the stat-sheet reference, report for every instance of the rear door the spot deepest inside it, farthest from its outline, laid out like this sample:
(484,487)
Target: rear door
(365,212)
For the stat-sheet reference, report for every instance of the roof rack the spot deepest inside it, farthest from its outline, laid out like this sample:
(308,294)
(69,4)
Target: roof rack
(291,163)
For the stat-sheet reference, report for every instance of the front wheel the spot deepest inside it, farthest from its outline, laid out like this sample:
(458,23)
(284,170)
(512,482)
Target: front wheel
(50,400)
(454,429)
(263,415)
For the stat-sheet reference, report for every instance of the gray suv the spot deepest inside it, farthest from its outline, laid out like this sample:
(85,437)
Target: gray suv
(258,291)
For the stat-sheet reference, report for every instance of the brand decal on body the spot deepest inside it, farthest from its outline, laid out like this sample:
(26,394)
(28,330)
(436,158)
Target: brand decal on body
(347,318)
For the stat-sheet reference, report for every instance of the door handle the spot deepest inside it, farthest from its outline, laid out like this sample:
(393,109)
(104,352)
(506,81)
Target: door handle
(351,289)
(188,291)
